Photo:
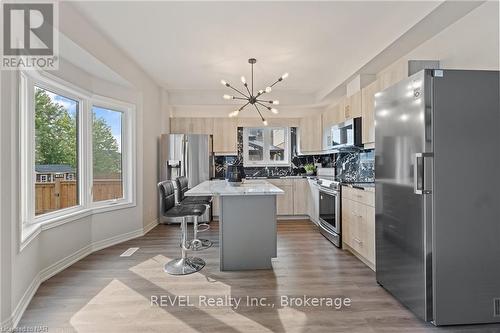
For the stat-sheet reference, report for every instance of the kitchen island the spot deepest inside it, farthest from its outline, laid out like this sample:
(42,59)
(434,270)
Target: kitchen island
(247,222)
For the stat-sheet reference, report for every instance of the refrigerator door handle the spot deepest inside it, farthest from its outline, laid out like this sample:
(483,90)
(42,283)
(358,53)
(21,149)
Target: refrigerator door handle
(418,173)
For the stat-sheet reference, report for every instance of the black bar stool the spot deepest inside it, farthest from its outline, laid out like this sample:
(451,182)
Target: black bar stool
(182,187)
(183,265)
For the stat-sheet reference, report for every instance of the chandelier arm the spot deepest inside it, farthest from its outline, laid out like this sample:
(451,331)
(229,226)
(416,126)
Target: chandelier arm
(267,107)
(241,108)
(272,85)
(249,93)
(260,114)
(239,91)
(262,101)
(243,99)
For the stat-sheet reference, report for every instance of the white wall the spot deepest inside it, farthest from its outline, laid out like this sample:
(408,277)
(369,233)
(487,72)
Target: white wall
(470,43)
(21,271)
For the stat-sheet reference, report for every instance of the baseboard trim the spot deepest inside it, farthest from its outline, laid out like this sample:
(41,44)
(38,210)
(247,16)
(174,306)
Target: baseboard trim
(292,217)
(147,228)
(62,264)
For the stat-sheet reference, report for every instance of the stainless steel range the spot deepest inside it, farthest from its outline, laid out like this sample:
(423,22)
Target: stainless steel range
(329,205)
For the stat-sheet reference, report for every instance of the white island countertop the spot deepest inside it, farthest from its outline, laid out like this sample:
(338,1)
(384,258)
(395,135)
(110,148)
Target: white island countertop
(222,188)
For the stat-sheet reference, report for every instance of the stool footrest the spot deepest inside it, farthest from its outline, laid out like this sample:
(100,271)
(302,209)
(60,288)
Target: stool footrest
(205,227)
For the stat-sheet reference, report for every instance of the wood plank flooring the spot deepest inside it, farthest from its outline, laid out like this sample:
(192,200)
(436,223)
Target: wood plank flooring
(108,293)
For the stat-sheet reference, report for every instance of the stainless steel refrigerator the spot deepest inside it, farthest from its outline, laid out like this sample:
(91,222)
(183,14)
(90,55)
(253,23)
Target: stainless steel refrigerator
(437,166)
(189,155)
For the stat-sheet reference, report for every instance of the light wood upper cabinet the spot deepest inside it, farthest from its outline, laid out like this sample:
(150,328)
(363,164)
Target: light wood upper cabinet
(332,116)
(310,133)
(225,135)
(393,74)
(191,125)
(202,125)
(352,106)
(368,111)
(179,125)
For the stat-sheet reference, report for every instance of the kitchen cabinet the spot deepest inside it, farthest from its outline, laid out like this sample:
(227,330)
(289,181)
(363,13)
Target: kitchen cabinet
(191,125)
(310,134)
(351,106)
(284,202)
(368,112)
(313,201)
(300,196)
(225,132)
(393,74)
(329,118)
(358,223)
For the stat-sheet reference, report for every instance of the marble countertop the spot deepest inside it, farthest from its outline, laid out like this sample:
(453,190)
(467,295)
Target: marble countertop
(221,188)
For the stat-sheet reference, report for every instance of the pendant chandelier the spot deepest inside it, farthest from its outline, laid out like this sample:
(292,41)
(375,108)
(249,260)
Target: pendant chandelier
(253,99)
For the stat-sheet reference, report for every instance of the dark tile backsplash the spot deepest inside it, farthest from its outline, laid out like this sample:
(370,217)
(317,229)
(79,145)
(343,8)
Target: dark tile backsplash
(357,166)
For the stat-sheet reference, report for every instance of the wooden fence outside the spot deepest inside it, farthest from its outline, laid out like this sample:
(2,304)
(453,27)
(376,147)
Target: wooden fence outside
(64,193)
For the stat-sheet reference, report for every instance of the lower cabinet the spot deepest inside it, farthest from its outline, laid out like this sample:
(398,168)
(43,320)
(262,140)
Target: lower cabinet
(300,196)
(284,202)
(358,224)
(313,201)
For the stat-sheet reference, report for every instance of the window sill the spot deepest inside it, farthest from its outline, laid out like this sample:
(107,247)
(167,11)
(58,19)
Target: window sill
(29,231)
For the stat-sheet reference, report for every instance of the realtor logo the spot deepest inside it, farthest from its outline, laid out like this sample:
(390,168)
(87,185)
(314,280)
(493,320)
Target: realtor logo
(28,38)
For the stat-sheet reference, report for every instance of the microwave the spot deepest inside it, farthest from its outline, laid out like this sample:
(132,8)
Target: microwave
(343,135)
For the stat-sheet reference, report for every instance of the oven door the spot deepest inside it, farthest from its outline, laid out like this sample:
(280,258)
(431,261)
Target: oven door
(329,210)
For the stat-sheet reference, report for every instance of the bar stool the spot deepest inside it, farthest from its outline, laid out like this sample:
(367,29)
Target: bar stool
(183,265)
(182,187)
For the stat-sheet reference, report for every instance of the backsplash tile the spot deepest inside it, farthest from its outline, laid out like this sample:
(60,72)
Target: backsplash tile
(355,166)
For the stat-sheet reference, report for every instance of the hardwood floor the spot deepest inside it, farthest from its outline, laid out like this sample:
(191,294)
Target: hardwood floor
(107,293)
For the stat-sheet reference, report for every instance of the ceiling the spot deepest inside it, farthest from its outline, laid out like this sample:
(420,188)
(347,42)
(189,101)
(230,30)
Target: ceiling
(191,46)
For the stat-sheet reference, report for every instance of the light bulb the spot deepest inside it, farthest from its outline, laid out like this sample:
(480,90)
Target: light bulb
(268,89)
(264,122)
(243,80)
(276,102)
(227,97)
(231,114)
(261,92)
(284,76)
(223,82)
(236,112)
(275,111)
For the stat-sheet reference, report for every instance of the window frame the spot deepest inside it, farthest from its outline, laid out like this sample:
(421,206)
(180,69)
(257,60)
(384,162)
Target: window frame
(266,161)
(85,99)
(126,146)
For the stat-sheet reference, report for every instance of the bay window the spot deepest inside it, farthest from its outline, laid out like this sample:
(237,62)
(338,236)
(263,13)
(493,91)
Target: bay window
(77,150)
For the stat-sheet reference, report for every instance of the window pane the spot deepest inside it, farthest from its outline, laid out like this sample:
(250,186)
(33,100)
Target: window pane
(56,151)
(255,144)
(277,145)
(107,154)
